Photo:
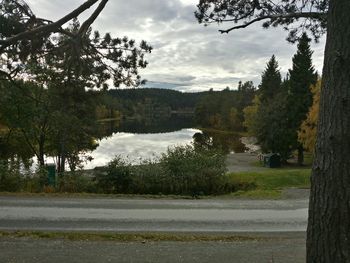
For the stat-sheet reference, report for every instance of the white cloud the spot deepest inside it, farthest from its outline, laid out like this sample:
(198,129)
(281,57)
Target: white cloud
(182,47)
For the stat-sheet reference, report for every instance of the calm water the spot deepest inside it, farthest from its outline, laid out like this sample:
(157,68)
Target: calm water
(137,141)
(138,146)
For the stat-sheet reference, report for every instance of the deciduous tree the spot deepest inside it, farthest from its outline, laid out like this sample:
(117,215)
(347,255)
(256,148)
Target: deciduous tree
(308,128)
(66,60)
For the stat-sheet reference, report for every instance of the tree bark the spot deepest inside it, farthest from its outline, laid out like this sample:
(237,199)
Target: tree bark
(300,155)
(328,235)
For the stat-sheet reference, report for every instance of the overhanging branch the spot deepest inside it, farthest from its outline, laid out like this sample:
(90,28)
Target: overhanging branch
(52,27)
(85,26)
(312,15)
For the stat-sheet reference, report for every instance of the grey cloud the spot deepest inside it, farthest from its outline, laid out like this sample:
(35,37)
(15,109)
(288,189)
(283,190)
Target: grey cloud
(187,55)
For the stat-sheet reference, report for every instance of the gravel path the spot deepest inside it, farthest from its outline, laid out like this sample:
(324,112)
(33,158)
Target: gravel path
(243,162)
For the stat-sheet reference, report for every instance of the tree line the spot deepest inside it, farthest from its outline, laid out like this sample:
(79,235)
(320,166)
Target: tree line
(280,107)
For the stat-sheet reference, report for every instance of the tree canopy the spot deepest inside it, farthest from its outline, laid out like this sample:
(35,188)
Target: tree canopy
(27,40)
(62,60)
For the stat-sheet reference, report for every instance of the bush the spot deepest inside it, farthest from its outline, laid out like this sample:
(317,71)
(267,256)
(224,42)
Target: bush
(35,183)
(194,171)
(117,178)
(14,178)
(185,170)
(149,178)
(75,182)
(10,178)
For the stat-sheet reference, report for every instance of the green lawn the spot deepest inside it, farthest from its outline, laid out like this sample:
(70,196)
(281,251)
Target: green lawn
(269,183)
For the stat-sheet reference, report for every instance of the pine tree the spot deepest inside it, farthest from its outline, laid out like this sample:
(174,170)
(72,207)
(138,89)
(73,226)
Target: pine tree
(270,81)
(271,121)
(302,76)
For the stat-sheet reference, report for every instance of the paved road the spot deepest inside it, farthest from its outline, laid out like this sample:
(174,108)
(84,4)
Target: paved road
(286,250)
(87,214)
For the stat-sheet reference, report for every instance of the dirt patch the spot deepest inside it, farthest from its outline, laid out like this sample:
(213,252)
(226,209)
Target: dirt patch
(243,162)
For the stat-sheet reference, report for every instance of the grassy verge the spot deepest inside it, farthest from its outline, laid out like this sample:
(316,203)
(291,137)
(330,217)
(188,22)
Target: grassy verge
(269,183)
(266,184)
(128,237)
(92,195)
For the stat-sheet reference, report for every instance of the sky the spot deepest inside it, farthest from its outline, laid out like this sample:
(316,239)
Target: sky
(187,56)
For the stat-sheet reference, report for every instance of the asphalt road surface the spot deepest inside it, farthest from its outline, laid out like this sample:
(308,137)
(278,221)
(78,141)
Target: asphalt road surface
(88,214)
(281,223)
(286,250)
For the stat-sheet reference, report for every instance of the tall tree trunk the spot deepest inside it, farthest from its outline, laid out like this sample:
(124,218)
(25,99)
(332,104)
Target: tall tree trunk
(328,236)
(300,155)
(41,150)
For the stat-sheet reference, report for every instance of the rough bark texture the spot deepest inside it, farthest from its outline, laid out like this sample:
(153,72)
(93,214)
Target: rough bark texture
(328,238)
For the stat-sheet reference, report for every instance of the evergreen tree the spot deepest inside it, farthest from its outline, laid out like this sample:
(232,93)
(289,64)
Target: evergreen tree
(270,81)
(271,127)
(270,120)
(302,76)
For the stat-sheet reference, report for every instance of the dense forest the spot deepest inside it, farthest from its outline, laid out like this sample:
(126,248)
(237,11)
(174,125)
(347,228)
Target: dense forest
(210,109)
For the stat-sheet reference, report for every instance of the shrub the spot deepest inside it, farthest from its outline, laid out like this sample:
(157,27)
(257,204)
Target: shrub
(35,183)
(117,178)
(10,178)
(185,170)
(75,182)
(149,178)
(194,171)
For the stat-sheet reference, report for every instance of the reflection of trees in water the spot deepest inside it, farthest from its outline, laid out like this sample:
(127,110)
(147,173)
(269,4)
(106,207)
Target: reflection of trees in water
(174,123)
(225,141)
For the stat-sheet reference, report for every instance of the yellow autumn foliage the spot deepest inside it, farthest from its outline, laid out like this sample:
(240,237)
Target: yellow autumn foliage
(250,115)
(308,129)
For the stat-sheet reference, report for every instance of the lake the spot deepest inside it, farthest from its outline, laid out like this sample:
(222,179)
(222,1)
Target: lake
(137,141)
(138,146)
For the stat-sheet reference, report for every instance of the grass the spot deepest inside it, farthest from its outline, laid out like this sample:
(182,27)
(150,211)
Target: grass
(269,183)
(94,195)
(127,237)
(258,194)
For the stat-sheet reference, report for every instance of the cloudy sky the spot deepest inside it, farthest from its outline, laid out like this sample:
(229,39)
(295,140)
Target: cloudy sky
(187,56)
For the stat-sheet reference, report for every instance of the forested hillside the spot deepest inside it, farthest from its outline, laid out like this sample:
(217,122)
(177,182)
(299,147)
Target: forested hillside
(210,109)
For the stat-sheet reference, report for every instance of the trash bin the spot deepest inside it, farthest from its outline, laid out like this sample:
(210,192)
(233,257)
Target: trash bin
(51,174)
(272,160)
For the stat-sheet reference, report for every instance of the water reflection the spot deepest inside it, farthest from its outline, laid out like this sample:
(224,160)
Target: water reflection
(138,141)
(226,141)
(137,146)
(174,123)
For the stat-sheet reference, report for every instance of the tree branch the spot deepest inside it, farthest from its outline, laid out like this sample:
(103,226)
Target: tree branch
(85,26)
(314,15)
(53,27)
